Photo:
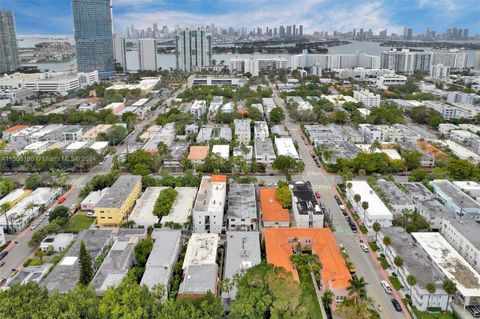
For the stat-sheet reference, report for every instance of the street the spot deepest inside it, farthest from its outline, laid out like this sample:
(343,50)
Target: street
(326,185)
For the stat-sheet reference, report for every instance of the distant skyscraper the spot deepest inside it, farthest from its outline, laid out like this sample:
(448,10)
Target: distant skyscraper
(289,30)
(194,49)
(147,55)
(300,30)
(92,22)
(119,52)
(465,34)
(8,43)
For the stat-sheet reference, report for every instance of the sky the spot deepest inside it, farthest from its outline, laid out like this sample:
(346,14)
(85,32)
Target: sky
(54,16)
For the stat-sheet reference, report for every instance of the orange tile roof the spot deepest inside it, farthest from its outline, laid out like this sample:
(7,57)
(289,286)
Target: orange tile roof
(15,128)
(430,149)
(198,152)
(271,208)
(218,179)
(334,271)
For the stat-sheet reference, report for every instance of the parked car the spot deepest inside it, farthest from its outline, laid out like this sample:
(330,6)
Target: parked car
(34,226)
(61,200)
(386,287)
(90,214)
(364,247)
(474,311)
(3,281)
(3,254)
(351,268)
(2,263)
(396,305)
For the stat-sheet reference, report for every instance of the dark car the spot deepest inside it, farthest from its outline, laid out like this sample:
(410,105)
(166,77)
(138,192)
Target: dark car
(3,254)
(396,305)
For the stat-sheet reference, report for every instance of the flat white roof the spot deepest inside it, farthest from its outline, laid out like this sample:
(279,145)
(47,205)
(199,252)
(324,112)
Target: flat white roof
(201,249)
(76,145)
(142,213)
(140,102)
(12,196)
(286,147)
(222,150)
(375,204)
(99,145)
(391,153)
(183,205)
(461,151)
(450,263)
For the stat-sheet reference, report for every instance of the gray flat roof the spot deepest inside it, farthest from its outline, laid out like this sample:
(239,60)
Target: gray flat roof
(415,259)
(162,258)
(66,274)
(241,201)
(435,208)
(393,193)
(119,192)
(470,229)
(458,197)
(242,252)
(264,147)
(177,150)
(199,279)
(418,191)
(118,260)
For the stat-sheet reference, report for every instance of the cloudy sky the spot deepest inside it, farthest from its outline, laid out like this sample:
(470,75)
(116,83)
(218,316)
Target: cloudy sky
(54,16)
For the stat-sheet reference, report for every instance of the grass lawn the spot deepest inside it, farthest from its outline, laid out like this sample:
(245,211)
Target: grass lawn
(395,282)
(363,229)
(373,246)
(78,223)
(436,315)
(383,262)
(309,297)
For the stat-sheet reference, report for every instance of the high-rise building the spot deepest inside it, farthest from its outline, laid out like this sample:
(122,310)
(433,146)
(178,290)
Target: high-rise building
(147,55)
(300,30)
(92,22)
(119,52)
(406,61)
(8,43)
(194,49)
(289,30)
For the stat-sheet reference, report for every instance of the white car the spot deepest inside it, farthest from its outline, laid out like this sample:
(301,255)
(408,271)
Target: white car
(386,287)
(364,247)
(90,214)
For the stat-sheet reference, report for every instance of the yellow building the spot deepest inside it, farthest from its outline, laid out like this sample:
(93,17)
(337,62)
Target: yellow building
(113,208)
(14,197)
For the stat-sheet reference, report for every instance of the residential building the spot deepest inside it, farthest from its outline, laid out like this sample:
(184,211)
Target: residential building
(242,130)
(9,60)
(463,137)
(64,277)
(182,207)
(456,200)
(445,128)
(361,73)
(222,150)
(88,204)
(92,134)
(280,131)
(215,105)
(28,274)
(242,208)
(214,132)
(335,61)
(417,263)
(285,147)
(198,280)
(406,61)
(193,49)
(461,152)
(387,80)
(469,187)
(113,208)
(449,261)
(209,205)
(397,199)
(439,71)
(303,106)
(453,60)
(142,214)
(119,260)
(209,80)
(14,197)
(201,250)
(281,243)
(245,152)
(254,66)
(272,212)
(260,130)
(167,244)
(242,252)
(147,55)
(466,99)
(264,151)
(57,242)
(377,211)
(120,52)
(92,23)
(462,234)
(198,154)
(450,112)
(306,209)
(369,99)
(198,108)
(268,105)
(176,153)
(166,136)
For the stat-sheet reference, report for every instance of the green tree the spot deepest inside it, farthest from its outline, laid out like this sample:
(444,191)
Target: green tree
(33,181)
(24,301)
(86,266)
(357,198)
(431,288)
(284,196)
(287,165)
(80,302)
(398,261)
(58,212)
(357,289)
(387,241)
(142,251)
(451,289)
(85,158)
(277,115)
(140,157)
(376,228)
(411,281)
(327,298)
(114,135)
(40,254)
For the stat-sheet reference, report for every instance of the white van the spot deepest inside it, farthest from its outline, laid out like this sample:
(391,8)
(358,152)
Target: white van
(386,287)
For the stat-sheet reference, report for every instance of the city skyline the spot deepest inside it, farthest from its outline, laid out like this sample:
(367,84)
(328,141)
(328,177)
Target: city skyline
(55,17)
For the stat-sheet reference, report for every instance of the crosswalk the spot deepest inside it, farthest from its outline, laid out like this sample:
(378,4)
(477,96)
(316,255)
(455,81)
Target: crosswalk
(313,173)
(320,187)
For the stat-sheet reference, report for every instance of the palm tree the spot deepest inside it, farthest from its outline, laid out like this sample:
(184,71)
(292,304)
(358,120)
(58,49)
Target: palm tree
(364,207)
(357,288)
(357,199)
(158,291)
(61,177)
(387,242)
(431,288)
(362,172)
(376,228)
(398,261)
(40,254)
(227,286)
(4,208)
(411,281)
(450,288)
(327,298)
(349,185)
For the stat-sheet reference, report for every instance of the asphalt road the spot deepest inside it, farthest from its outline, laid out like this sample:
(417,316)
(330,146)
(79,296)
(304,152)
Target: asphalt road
(326,185)
(17,253)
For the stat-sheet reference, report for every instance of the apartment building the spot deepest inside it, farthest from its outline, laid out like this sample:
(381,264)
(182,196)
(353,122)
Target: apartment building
(209,206)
